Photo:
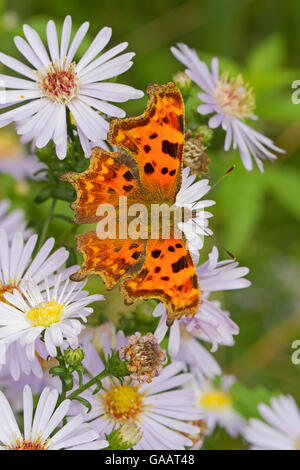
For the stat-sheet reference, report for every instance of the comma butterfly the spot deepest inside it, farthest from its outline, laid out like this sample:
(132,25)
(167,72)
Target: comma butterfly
(150,171)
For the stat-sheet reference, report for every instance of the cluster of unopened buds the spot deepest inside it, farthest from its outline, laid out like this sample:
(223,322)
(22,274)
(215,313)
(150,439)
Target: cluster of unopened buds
(144,357)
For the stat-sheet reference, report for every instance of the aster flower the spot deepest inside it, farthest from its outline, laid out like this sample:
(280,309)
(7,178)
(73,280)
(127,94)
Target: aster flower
(189,197)
(39,429)
(12,221)
(17,264)
(230,101)
(158,411)
(210,323)
(54,82)
(14,161)
(217,407)
(281,429)
(31,311)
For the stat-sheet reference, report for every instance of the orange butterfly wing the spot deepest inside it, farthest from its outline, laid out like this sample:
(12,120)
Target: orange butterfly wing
(111,259)
(109,176)
(168,274)
(155,139)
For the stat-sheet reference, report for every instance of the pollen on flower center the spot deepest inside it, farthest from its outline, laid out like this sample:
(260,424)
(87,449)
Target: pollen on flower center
(6,288)
(45,314)
(37,443)
(123,402)
(215,400)
(235,97)
(60,84)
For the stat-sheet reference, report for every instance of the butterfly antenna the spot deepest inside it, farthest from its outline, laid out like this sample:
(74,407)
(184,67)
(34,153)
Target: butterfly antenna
(222,177)
(217,182)
(216,241)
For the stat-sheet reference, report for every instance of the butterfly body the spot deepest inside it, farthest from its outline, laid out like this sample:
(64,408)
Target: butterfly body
(150,174)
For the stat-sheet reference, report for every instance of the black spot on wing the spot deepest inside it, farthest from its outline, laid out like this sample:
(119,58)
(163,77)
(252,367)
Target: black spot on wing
(148,168)
(136,255)
(195,281)
(147,148)
(128,176)
(180,123)
(182,263)
(133,245)
(128,187)
(155,253)
(169,148)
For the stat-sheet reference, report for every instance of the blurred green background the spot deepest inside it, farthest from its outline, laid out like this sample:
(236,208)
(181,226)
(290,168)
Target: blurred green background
(256,216)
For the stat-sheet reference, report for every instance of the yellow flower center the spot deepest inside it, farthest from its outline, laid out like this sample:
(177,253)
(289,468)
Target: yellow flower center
(215,400)
(123,402)
(32,444)
(45,314)
(235,97)
(60,84)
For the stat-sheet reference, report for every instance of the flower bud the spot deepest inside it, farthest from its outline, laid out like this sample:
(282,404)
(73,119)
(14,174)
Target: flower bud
(206,134)
(129,435)
(74,357)
(183,82)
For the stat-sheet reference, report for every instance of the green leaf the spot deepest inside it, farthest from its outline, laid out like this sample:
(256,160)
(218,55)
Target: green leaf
(97,388)
(43,195)
(284,185)
(84,402)
(246,400)
(58,371)
(68,381)
(114,441)
(64,191)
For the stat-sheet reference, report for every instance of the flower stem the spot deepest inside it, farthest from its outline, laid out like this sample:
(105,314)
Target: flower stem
(89,384)
(46,224)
